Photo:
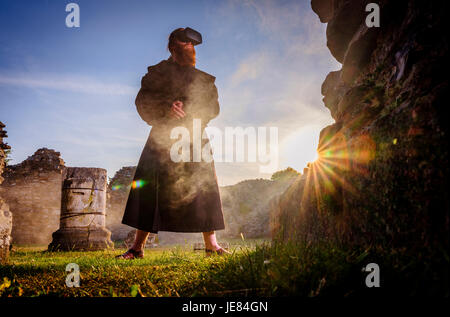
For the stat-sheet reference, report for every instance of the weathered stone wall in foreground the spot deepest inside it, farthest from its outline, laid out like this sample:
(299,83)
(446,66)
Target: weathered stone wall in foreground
(382,177)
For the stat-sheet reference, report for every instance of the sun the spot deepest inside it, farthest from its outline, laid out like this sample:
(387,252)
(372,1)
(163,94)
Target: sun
(300,147)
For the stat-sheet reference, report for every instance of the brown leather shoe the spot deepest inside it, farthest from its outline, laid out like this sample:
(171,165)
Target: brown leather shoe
(219,251)
(131,254)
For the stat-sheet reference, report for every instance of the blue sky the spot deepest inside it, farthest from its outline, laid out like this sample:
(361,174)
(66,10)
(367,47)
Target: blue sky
(73,89)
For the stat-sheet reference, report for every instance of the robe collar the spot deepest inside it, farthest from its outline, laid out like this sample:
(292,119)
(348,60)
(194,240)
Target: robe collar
(170,60)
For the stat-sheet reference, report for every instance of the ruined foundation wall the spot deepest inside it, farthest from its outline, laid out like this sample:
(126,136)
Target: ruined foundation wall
(32,190)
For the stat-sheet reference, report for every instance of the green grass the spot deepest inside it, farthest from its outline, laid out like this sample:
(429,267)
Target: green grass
(253,269)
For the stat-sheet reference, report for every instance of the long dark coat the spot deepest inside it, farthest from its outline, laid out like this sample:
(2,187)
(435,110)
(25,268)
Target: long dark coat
(167,195)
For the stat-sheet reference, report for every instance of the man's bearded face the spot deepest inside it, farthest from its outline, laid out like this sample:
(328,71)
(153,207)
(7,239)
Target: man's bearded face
(184,53)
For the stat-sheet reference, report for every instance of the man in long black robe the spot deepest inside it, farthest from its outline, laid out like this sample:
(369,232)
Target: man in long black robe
(166,195)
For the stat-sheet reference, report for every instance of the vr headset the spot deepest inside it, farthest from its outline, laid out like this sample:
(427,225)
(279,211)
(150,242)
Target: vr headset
(190,35)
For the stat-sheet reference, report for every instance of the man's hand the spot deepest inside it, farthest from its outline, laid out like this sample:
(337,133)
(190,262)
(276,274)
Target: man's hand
(176,110)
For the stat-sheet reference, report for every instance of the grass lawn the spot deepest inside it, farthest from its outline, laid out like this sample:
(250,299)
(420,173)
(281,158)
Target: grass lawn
(255,268)
(165,271)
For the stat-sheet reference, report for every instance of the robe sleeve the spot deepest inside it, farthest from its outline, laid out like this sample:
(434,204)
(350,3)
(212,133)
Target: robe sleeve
(151,101)
(206,101)
(213,102)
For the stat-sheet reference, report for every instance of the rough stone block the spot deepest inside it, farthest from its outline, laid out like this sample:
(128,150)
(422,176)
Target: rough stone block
(5,232)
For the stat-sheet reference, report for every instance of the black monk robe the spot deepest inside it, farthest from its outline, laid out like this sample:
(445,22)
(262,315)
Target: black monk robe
(167,195)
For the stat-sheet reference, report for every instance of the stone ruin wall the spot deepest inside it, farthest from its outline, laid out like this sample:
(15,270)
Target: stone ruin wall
(116,199)
(5,214)
(386,156)
(32,190)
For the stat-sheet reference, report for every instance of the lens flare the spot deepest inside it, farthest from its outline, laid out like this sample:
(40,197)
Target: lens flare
(326,175)
(116,187)
(138,183)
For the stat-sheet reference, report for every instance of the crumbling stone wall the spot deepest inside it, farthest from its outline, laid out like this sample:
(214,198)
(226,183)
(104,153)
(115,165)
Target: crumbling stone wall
(5,215)
(32,190)
(116,198)
(382,177)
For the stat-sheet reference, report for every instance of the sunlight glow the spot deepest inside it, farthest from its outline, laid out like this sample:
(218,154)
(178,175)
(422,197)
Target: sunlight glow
(300,147)
(326,175)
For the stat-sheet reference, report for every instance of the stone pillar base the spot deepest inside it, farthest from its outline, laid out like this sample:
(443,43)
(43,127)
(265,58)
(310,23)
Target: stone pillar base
(81,239)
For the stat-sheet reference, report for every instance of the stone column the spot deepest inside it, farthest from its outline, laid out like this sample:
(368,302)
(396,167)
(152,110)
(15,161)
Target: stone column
(82,220)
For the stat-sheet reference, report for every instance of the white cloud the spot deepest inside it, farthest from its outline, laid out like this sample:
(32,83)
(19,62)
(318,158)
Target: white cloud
(250,69)
(277,82)
(81,84)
